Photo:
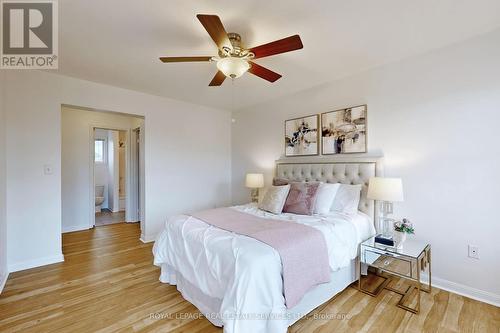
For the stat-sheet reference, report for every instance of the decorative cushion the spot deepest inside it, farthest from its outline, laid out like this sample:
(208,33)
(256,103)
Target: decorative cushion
(347,199)
(274,199)
(301,198)
(324,199)
(280,181)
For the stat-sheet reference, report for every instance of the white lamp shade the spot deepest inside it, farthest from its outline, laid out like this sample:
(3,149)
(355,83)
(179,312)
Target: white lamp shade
(385,189)
(232,66)
(254,180)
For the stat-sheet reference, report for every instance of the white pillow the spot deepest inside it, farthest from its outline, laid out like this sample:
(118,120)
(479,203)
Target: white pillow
(274,199)
(324,198)
(347,199)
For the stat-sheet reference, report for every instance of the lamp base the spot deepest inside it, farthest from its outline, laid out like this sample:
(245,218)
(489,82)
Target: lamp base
(255,195)
(387,227)
(385,224)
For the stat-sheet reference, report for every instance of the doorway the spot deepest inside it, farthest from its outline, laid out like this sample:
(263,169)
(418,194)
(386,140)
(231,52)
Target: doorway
(116,176)
(110,178)
(102,168)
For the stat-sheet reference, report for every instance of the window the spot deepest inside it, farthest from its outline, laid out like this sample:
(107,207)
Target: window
(99,151)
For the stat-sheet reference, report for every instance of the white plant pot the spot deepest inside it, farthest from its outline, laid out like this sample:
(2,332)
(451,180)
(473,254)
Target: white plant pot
(399,239)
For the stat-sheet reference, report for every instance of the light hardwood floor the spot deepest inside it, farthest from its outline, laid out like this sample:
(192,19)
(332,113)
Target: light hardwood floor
(108,284)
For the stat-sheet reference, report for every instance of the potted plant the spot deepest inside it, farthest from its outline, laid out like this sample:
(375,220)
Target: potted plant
(401,228)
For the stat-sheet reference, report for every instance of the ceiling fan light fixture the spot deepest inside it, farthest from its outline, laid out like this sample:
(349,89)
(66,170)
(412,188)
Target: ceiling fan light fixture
(233,67)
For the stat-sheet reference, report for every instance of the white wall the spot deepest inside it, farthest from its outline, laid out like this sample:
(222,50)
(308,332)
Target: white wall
(75,169)
(435,118)
(3,221)
(187,148)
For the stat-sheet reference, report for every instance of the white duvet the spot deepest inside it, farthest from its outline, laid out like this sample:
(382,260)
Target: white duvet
(243,273)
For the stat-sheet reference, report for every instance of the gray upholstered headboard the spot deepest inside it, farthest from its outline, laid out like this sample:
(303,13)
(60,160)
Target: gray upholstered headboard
(345,170)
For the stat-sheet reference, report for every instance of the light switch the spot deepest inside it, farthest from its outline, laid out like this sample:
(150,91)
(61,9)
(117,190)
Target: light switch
(48,169)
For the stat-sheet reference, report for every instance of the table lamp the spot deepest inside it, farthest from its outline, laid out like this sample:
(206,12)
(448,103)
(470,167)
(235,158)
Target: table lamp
(386,191)
(254,181)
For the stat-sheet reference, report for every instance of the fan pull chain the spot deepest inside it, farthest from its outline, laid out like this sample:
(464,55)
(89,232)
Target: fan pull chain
(232,94)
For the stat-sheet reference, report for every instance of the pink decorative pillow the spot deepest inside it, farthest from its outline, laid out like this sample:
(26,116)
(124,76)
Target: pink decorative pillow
(301,198)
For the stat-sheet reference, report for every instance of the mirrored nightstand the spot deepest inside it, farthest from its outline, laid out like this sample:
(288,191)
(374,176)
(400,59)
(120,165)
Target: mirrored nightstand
(407,263)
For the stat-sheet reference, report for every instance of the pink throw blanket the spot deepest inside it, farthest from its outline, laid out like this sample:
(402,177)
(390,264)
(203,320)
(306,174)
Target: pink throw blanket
(303,250)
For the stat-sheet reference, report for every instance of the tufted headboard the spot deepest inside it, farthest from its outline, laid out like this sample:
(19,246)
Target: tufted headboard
(345,170)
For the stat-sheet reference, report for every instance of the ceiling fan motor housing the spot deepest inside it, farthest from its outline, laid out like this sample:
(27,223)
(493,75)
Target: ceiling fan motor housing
(238,50)
(235,39)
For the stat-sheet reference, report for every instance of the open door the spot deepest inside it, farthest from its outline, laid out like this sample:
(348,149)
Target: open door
(134,211)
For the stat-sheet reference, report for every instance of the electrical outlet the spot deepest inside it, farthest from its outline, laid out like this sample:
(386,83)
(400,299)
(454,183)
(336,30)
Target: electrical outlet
(473,252)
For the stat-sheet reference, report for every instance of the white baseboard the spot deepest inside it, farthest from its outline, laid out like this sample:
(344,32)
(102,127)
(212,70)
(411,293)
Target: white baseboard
(460,289)
(147,239)
(20,266)
(3,281)
(73,228)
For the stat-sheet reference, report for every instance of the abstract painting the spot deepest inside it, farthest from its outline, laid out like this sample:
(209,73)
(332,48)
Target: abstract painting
(301,136)
(344,131)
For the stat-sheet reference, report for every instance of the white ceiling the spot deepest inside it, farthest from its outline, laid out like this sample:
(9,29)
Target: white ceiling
(118,42)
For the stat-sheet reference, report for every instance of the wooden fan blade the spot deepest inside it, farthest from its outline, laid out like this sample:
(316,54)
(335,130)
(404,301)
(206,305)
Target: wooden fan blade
(215,29)
(184,59)
(263,72)
(218,79)
(288,44)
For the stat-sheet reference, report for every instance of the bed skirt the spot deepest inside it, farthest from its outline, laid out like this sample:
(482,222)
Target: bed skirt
(210,306)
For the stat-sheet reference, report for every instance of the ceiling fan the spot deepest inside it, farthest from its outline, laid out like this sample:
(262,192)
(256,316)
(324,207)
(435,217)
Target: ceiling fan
(233,60)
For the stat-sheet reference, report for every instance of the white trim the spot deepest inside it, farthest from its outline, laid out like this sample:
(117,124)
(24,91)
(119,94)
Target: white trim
(132,199)
(147,239)
(3,281)
(73,228)
(20,266)
(142,177)
(113,170)
(463,290)
(91,165)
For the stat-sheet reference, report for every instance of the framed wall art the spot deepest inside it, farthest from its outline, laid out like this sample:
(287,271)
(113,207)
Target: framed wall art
(344,131)
(302,136)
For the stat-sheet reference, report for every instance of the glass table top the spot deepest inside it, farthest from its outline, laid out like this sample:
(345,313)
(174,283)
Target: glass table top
(411,247)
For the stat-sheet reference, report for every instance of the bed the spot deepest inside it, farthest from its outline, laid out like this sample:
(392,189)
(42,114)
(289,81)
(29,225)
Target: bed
(236,281)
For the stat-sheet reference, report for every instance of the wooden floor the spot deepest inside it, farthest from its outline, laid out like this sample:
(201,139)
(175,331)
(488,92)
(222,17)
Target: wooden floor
(108,284)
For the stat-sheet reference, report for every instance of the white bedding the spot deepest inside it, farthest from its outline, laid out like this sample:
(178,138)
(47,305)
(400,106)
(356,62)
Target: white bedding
(243,273)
